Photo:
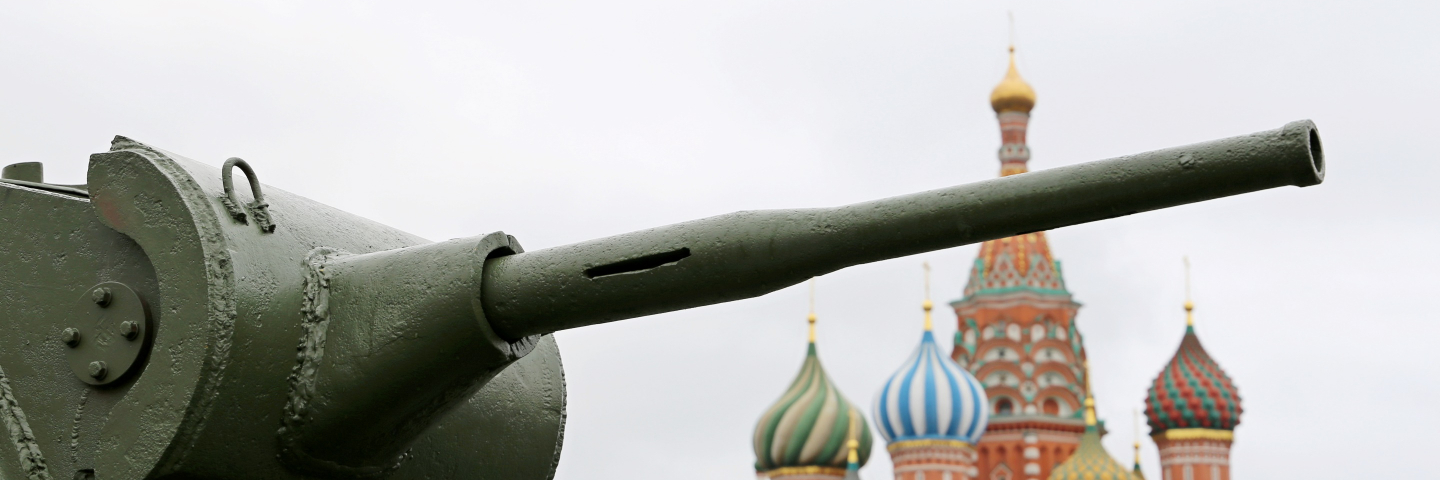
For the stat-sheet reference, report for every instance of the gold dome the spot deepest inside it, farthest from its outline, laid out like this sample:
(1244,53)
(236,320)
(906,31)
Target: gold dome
(1012,94)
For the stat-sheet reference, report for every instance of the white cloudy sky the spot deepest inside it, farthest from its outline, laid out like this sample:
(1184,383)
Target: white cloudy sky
(559,122)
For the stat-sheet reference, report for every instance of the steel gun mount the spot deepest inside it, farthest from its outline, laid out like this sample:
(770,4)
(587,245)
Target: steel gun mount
(162,323)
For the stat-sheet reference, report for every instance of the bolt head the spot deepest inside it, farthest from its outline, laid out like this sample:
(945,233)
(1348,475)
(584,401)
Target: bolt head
(98,370)
(71,337)
(130,330)
(101,296)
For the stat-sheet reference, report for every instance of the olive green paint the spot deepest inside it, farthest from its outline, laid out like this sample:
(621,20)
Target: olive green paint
(747,254)
(287,339)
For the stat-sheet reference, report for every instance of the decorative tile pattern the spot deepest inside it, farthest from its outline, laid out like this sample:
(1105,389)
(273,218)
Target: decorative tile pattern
(1192,392)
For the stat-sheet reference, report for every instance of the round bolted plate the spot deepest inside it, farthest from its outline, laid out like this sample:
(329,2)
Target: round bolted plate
(102,320)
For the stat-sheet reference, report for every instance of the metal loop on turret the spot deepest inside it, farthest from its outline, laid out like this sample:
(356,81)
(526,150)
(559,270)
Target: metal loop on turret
(258,209)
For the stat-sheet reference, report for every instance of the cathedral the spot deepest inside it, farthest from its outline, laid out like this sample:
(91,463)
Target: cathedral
(1011,399)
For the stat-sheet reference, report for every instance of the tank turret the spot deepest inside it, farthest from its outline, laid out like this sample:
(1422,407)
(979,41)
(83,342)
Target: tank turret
(166,321)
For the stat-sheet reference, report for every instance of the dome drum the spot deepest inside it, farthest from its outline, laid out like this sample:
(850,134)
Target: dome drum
(934,457)
(810,472)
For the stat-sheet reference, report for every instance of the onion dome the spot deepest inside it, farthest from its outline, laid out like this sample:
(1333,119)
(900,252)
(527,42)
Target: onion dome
(1192,392)
(1090,461)
(930,397)
(808,429)
(1013,94)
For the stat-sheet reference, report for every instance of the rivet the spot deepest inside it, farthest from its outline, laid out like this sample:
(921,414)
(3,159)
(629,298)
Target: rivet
(101,296)
(71,337)
(97,370)
(129,329)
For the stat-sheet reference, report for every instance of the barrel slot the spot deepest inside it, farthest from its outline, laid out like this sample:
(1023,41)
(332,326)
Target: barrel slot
(638,264)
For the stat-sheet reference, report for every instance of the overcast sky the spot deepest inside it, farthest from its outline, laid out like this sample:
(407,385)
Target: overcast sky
(560,122)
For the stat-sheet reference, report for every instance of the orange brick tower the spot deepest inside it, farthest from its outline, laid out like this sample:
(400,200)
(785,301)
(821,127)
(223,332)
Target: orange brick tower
(1017,329)
(1193,409)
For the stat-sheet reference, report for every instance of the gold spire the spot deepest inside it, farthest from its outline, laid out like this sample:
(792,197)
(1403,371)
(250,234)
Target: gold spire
(1089,399)
(927,305)
(1137,438)
(1013,94)
(811,317)
(1189,305)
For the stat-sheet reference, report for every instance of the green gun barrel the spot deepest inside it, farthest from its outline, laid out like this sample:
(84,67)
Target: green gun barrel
(166,321)
(747,254)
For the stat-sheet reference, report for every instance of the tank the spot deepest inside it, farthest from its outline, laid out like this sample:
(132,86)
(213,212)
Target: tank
(166,321)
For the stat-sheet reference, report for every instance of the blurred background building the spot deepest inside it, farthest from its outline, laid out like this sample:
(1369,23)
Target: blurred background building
(1011,401)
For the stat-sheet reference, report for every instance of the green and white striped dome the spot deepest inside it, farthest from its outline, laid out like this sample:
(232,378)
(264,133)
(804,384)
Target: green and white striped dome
(809,426)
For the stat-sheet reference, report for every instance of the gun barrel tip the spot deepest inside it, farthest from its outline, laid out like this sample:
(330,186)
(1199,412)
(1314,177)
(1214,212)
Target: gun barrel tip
(1313,170)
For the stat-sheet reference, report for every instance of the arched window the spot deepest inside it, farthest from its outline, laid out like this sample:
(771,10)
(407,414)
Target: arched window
(1052,407)
(1049,355)
(1004,407)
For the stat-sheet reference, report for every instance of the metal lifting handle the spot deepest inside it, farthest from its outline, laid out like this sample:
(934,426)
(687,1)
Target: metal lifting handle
(259,209)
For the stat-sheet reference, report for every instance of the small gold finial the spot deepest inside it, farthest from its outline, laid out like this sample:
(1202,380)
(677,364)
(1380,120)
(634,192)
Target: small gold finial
(1189,305)
(811,318)
(1089,398)
(927,305)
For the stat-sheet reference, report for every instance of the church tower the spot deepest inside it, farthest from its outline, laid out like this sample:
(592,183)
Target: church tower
(812,432)
(1017,331)
(1193,408)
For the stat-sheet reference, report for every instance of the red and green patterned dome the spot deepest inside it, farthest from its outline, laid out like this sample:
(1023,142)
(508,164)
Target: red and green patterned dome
(1192,391)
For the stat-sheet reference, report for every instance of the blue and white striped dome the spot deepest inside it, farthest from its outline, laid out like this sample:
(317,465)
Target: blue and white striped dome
(931,397)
